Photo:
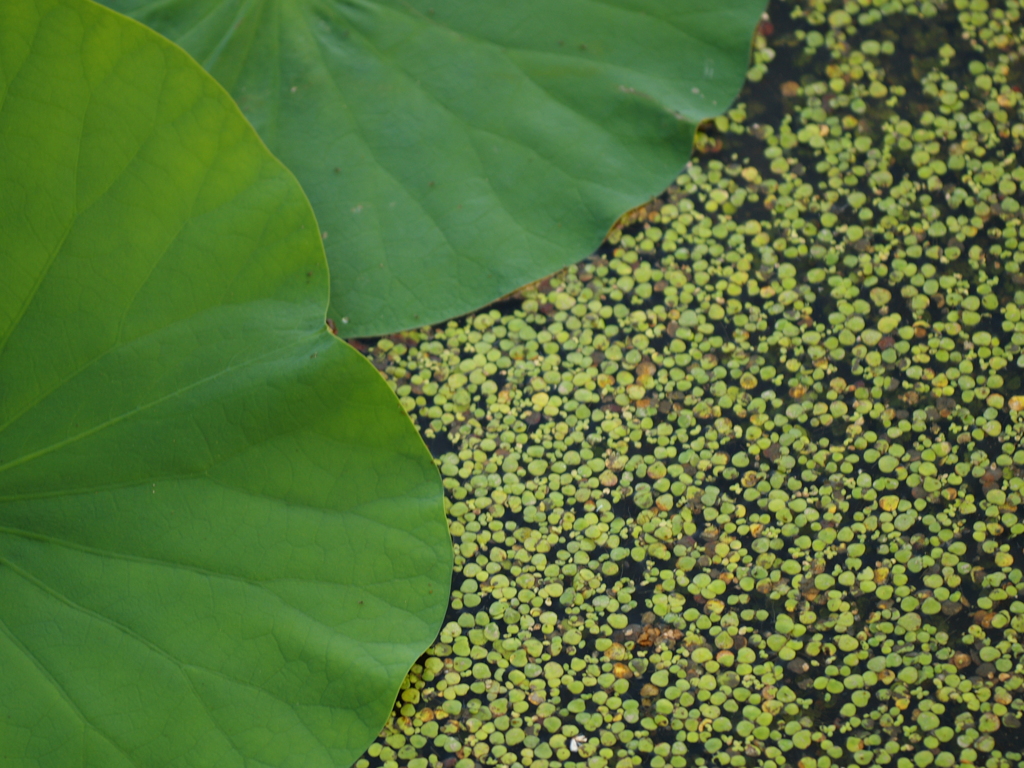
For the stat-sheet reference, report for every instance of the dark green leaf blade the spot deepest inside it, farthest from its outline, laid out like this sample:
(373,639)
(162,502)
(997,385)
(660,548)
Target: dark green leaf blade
(221,540)
(455,150)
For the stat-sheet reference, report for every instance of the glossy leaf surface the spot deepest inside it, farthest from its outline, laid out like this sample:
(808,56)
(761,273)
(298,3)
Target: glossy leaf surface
(221,540)
(455,150)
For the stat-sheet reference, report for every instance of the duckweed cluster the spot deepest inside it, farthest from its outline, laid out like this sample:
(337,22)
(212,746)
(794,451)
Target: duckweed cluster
(744,488)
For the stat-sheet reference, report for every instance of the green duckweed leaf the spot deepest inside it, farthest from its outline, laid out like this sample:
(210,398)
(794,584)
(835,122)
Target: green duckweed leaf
(455,150)
(221,540)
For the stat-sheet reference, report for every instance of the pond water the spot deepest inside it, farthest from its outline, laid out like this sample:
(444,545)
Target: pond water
(744,487)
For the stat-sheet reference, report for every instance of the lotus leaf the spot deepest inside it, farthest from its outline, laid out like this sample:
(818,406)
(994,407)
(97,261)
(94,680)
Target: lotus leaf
(455,150)
(221,540)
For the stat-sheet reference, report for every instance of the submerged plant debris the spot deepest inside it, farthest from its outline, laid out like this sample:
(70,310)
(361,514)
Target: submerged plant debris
(744,488)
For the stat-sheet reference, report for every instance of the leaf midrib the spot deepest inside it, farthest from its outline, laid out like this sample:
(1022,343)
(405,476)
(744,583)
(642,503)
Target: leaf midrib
(142,408)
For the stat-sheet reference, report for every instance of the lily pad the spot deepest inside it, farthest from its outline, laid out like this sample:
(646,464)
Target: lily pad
(455,150)
(221,540)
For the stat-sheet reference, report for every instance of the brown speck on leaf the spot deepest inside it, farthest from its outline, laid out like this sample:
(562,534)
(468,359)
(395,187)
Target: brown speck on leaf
(798,666)
(628,633)
(649,636)
(984,618)
(810,592)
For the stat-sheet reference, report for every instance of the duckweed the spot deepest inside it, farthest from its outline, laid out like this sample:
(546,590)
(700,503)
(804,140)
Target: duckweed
(744,488)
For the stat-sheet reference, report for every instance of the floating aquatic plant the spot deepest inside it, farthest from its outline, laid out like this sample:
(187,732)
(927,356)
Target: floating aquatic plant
(743,488)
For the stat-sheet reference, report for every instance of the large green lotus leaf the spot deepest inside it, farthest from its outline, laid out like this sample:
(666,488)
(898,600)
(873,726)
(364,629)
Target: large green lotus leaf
(455,150)
(221,540)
